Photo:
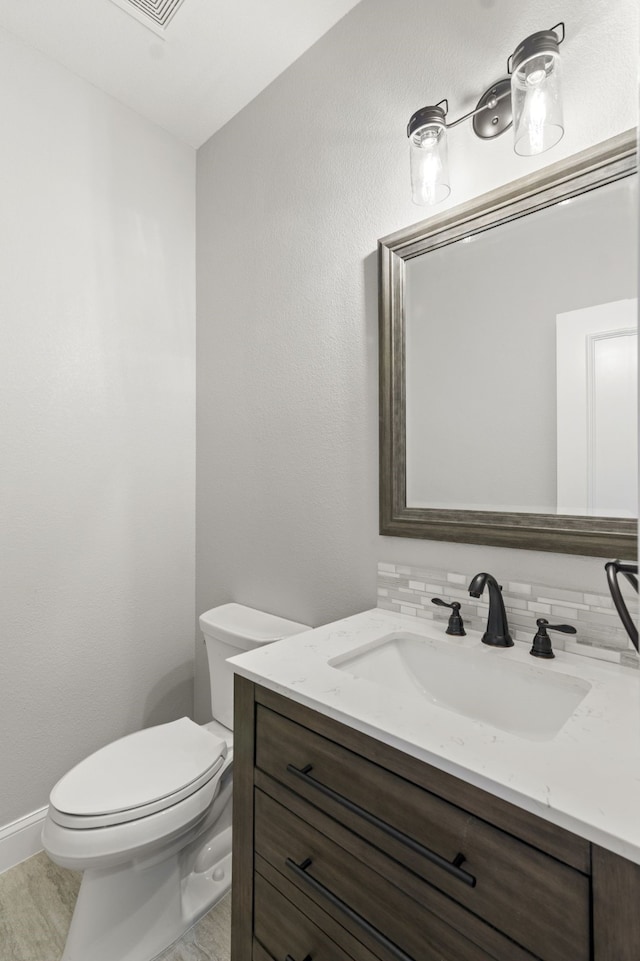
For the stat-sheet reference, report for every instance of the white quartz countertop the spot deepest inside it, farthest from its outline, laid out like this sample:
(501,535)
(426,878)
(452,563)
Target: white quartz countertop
(585,779)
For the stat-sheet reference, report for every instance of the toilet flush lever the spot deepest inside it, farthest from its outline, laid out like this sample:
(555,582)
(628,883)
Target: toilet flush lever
(456,624)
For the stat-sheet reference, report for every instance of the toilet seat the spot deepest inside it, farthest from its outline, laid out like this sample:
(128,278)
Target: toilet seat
(137,776)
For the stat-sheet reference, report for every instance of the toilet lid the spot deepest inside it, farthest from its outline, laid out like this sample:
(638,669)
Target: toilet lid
(139,774)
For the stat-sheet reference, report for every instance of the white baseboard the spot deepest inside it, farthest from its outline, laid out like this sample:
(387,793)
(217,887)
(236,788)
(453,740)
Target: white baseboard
(21,839)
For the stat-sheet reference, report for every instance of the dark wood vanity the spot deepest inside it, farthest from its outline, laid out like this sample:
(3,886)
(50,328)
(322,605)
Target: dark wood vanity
(346,849)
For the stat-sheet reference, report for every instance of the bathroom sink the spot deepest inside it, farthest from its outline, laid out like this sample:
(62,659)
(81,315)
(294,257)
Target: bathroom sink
(478,682)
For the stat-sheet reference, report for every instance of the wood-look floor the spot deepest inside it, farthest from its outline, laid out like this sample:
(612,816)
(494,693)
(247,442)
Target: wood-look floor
(36,903)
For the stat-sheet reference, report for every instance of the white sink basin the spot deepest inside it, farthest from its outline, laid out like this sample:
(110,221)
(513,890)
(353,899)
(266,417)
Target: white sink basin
(483,683)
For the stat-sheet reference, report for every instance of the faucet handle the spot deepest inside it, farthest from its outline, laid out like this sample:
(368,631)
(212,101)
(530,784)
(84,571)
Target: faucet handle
(455,626)
(565,628)
(542,642)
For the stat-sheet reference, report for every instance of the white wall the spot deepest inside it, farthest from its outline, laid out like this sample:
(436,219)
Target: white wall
(292,196)
(96,425)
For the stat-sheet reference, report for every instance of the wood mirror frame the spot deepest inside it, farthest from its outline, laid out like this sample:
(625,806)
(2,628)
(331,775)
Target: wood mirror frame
(561,533)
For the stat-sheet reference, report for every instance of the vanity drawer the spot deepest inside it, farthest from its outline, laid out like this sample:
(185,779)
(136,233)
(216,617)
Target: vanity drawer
(381,914)
(534,899)
(285,932)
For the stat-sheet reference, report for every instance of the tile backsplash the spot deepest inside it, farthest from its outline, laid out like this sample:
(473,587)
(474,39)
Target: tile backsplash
(409,590)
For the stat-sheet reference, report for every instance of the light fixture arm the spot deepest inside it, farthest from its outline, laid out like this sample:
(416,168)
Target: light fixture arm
(491,104)
(490,100)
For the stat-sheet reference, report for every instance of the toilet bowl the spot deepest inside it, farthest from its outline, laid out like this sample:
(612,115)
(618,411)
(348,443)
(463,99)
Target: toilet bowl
(147,818)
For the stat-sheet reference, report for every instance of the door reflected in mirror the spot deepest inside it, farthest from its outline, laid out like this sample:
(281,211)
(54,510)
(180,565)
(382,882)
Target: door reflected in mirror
(597,399)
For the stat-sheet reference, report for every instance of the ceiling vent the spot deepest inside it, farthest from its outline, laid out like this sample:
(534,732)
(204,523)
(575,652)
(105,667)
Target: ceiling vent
(155,14)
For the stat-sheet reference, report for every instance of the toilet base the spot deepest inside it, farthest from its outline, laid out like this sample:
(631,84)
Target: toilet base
(136,912)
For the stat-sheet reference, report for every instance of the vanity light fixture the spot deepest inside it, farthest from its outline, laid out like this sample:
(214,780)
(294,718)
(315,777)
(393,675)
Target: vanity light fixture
(529,100)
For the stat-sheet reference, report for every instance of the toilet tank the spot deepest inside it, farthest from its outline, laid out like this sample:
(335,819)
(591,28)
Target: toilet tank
(229,630)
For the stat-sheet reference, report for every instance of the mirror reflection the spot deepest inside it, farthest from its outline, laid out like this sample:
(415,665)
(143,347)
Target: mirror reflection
(521,363)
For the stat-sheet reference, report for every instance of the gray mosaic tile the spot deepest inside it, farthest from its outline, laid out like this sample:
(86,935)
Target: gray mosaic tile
(454,578)
(514,587)
(515,603)
(598,653)
(385,604)
(570,613)
(538,608)
(598,600)
(554,600)
(600,632)
(560,594)
(603,620)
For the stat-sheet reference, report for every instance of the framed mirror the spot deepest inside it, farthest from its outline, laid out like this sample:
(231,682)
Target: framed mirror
(508,364)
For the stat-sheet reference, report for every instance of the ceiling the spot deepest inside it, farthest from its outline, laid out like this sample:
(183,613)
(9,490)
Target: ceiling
(213,57)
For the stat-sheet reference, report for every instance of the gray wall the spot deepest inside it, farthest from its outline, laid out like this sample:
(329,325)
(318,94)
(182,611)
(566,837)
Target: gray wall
(292,196)
(96,425)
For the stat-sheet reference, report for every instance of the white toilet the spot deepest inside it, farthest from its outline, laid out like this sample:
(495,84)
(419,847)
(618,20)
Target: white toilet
(148,817)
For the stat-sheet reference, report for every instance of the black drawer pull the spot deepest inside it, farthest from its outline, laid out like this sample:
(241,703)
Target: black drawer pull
(290,958)
(451,867)
(300,870)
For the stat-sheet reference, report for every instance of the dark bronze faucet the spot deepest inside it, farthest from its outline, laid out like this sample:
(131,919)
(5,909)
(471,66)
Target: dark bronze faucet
(497,632)
(630,571)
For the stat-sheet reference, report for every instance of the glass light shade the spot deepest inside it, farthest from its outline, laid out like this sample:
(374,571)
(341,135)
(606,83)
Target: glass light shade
(536,97)
(429,165)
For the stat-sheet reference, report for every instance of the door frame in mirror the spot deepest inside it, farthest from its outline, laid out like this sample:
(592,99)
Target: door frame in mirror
(565,534)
